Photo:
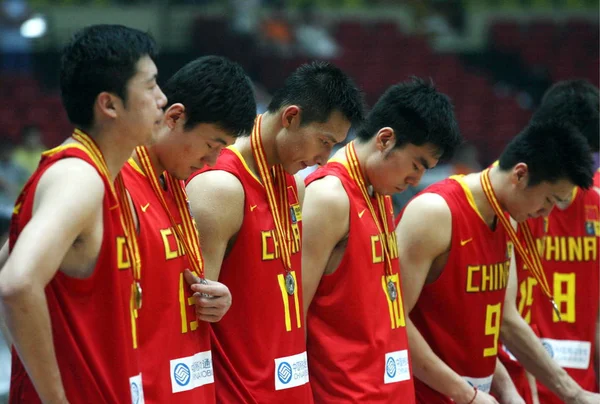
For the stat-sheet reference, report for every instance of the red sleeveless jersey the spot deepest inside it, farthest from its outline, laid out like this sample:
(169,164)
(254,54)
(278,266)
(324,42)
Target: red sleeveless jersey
(357,343)
(460,313)
(259,347)
(571,264)
(175,351)
(91,318)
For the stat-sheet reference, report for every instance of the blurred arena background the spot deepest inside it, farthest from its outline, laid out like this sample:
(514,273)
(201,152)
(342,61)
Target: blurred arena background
(494,58)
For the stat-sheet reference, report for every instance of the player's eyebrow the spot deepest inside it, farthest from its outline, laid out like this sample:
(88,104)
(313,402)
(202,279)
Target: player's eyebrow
(424,162)
(153,78)
(219,140)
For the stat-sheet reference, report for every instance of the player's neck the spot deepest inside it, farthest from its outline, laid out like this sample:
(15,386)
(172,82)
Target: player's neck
(499,182)
(157,167)
(268,133)
(115,149)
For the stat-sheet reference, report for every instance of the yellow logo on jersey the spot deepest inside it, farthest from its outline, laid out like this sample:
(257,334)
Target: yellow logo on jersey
(17,208)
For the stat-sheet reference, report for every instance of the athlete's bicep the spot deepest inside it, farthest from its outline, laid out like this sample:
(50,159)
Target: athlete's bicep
(423,234)
(325,222)
(217,204)
(67,199)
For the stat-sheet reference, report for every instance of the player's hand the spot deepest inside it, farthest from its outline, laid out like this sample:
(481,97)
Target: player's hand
(212,299)
(484,398)
(584,397)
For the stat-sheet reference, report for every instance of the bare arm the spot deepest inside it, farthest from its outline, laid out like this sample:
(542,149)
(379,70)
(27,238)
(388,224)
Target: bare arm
(301,189)
(423,234)
(217,203)
(325,222)
(69,205)
(522,342)
(503,386)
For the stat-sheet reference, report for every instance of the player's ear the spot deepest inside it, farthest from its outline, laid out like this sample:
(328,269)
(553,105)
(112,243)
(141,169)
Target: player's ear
(385,140)
(290,117)
(108,105)
(175,114)
(520,175)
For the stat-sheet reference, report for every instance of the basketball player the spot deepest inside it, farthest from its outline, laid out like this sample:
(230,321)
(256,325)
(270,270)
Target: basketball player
(210,103)
(454,258)
(69,290)
(357,344)
(568,240)
(252,214)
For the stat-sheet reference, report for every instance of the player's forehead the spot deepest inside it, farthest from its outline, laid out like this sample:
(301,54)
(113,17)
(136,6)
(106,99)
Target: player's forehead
(557,191)
(335,128)
(426,155)
(145,70)
(211,132)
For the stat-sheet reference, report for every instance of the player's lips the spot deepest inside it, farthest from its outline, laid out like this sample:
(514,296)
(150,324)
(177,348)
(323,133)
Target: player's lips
(400,189)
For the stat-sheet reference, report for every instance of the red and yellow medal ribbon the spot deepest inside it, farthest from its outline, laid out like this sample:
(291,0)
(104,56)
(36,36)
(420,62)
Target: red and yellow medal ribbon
(529,252)
(381,219)
(187,233)
(278,201)
(127,223)
(119,194)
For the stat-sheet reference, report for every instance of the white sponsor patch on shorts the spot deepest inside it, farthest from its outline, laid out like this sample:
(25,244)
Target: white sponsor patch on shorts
(568,353)
(191,372)
(482,383)
(396,367)
(291,371)
(137,391)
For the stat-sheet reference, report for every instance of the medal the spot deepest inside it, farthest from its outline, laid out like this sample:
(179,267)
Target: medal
(290,284)
(203,282)
(392,292)
(137,295)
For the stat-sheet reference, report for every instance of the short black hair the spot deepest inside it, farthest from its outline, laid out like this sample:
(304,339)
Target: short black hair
(99,58)
(319,89)
(553,150)
(214,90)
(418,114)
(576,102)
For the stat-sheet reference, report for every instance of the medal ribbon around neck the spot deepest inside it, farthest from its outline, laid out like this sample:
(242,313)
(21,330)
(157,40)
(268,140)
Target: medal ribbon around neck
(528,253)
(127,223)
(278,202)
(380,221)
(188,237)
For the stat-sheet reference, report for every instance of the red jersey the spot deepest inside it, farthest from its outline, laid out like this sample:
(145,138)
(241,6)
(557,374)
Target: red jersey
(357,343)
(91,318)
(175,352)
(570,259)
(259,347)
(460,313)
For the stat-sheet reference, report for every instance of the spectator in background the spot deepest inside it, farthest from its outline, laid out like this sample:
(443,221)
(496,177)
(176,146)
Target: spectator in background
(15,49)
(312,37)
(276,32)
(12,179)
(27,155)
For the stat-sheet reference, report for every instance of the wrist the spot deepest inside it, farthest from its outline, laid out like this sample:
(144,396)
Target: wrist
(466,395)
(571,397)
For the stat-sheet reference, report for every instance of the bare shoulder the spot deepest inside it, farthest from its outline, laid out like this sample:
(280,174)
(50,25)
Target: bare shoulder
(329,196)
(217,201)
(70,181)
(216,187)
(426,225)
